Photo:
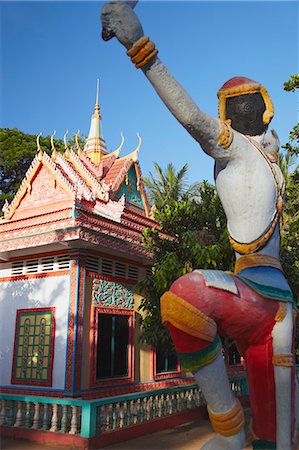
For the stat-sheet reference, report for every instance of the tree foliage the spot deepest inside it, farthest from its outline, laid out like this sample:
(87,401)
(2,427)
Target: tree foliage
(292,146)
(195,223)
(17,150)
(290,235)
(164,188)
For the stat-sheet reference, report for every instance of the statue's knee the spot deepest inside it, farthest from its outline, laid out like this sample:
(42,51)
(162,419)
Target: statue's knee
(184,316)
(194,360)
(189,284)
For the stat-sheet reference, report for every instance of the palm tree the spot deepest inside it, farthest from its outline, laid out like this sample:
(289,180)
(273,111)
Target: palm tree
(169,186)
(285,162)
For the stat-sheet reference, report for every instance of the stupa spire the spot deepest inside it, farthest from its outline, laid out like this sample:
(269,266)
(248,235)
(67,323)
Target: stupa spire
(95,147)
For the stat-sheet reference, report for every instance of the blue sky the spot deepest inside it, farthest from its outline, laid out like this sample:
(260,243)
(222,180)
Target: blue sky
(52,53)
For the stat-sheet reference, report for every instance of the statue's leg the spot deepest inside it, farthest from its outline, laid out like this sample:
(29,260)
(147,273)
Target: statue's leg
(199,349)
(194,312)
(208,367)
(225,411)
(284,373)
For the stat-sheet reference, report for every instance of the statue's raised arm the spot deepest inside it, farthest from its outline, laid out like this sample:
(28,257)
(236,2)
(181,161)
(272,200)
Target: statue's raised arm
(214,136)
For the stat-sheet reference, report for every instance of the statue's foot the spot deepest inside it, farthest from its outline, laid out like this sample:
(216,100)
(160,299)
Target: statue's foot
(235,442)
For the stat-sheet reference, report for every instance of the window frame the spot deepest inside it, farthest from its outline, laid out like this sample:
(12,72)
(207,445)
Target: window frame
(29,311)
(129,378)
(164,375)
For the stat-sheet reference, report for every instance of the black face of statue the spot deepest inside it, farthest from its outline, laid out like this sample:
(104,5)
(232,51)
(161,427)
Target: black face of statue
(246,113)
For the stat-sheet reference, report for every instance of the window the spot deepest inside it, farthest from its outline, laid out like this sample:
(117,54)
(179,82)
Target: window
(113,346)
(166,361)
(34,347)
(112,349)
(233,355)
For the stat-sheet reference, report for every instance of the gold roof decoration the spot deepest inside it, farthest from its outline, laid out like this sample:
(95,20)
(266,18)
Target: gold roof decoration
(39,149)
(53,148)
(116,152)
(79,149)
(134,155)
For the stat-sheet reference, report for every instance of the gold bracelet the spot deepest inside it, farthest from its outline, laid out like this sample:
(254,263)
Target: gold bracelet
(142,52)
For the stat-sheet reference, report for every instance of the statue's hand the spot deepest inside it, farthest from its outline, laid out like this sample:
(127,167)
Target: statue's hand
(118,19)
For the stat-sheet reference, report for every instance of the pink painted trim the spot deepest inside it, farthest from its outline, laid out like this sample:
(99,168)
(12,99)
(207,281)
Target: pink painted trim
(52,348)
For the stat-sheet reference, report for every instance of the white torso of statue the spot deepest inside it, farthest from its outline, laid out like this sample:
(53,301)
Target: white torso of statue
(248,191)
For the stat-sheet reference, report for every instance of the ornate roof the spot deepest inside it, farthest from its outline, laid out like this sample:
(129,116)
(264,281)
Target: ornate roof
(85,194)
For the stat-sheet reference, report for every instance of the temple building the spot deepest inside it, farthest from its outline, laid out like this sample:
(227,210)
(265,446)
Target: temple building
(72,369)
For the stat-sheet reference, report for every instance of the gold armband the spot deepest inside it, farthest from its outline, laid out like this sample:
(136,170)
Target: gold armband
(283,360)
(281,312)
(225,134)
(229,423)
(142,52)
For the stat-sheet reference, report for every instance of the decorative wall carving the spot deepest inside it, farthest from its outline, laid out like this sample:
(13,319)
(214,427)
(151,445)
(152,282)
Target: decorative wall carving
(109,293)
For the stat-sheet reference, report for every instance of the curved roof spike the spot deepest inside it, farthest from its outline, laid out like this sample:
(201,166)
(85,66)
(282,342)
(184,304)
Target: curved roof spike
(39,149)
(52,141)
(117,151)
(139,142)
(77,142)
(64,140)
(134,155)
(121,144)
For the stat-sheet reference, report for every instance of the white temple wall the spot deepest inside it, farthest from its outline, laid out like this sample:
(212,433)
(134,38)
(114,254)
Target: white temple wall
(48,291)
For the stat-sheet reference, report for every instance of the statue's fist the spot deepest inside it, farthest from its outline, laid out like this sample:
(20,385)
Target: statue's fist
(118,19)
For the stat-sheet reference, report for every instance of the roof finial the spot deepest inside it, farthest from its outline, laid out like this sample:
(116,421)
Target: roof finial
(98,91)
(77,142)
(139,142)
(39,149)
(52,141)
(97,105)
(65,143)
(54,151)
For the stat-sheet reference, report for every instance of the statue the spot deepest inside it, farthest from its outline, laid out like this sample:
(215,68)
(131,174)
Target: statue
(254,306)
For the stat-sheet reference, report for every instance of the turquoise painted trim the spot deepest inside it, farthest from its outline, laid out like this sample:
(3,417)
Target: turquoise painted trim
(195,360)
(83,310)
(262,444)
(88,423)
(31,388)
(130,190)
(269,291)
(106,400)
